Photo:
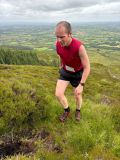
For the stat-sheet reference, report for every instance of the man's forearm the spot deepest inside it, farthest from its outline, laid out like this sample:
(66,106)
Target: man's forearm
(60,63)
(86,72)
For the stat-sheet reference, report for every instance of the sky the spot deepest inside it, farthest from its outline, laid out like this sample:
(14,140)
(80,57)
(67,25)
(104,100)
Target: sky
(57,10)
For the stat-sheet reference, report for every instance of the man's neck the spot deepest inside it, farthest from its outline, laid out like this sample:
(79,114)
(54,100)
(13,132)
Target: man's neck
(69,41)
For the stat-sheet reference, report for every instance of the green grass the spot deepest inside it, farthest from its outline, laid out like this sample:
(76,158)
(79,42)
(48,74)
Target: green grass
(28,105)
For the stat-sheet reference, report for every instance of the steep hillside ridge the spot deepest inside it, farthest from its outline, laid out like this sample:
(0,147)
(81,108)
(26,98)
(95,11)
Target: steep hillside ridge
(29,115)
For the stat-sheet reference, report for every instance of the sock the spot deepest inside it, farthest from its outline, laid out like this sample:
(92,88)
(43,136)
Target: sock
(67,109)
(78,110)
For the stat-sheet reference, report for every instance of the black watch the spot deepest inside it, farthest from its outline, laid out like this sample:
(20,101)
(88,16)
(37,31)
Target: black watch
(82,84)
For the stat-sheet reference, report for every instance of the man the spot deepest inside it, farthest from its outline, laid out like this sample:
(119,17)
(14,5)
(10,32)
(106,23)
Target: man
(74,68)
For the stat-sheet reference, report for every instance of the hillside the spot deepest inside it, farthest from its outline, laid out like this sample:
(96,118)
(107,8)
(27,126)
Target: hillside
(29,116)
(29,110)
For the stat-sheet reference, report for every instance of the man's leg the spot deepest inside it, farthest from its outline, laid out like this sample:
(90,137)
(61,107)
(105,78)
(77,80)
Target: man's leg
(78,97)
(60,89)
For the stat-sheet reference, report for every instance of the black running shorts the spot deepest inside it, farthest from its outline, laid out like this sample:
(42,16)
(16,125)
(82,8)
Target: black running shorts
(73,78)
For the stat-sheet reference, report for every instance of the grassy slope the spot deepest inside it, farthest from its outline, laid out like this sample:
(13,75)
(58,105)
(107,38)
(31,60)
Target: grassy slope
(28,104)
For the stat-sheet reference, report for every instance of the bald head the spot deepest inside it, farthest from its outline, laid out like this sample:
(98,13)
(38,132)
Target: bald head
(66,25)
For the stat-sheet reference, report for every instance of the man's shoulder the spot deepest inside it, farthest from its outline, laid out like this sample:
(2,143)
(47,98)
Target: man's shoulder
(56,43)
(77,42)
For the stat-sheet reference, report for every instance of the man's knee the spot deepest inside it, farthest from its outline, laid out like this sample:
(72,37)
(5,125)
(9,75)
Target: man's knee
(78,95)
(59,94)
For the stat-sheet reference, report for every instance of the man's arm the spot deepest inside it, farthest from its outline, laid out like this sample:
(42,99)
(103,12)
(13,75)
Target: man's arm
(85,62)
(59,62)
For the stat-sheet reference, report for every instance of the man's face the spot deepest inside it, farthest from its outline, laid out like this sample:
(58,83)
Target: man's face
(62,36)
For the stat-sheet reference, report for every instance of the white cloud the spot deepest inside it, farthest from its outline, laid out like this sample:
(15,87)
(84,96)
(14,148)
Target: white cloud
(54,10)
(102,9)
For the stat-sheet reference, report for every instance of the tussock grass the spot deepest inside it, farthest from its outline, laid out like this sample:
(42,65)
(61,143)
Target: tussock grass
(28,105)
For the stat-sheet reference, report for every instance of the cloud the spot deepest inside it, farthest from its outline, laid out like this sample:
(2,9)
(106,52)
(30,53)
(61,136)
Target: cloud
(59,9)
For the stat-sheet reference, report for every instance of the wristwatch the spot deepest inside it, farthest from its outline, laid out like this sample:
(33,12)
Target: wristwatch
(82,84)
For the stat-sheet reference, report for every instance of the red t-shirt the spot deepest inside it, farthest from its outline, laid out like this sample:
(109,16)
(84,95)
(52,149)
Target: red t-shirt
(70,55)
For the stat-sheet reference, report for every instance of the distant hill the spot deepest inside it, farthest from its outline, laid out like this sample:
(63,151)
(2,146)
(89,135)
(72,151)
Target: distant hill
(29,110)
(25,57)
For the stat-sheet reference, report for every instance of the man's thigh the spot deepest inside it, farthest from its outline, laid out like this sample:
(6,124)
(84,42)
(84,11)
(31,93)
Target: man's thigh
(61,86)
